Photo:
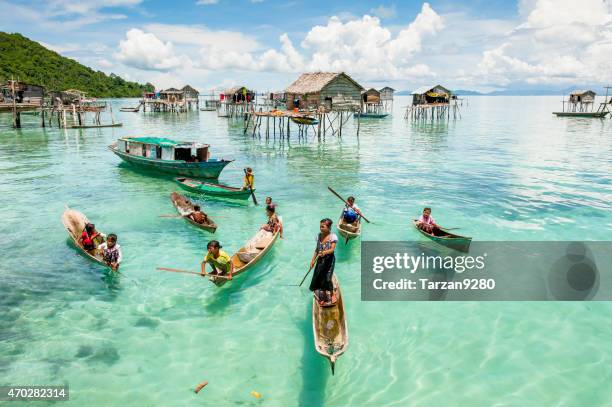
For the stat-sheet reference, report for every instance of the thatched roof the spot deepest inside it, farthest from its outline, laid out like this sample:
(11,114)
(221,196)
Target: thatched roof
(424,89)
(189,89)
(387,88)
(235,89)
(315,81)
(581,92)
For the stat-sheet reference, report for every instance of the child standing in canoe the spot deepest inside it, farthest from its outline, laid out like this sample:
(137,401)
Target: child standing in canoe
(325,259)
(249,179)
(219,261)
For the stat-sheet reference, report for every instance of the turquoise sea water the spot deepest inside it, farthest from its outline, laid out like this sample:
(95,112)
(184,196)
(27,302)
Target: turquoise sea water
(507,170)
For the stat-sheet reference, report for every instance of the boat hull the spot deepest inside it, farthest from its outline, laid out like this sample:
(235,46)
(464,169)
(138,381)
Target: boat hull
(184,205)
(240,267)
(74,222)
(209,169)
(348,235)
(209,188)
(371,115)
(305,120)
(457,242)
(329,327)
(597,115)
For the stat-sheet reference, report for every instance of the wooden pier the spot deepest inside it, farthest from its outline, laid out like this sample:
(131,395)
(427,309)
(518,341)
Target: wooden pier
(279,123)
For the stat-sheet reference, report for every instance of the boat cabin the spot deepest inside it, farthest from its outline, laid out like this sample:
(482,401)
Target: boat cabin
(164,149)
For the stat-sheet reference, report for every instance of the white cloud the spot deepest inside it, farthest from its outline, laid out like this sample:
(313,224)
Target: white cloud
(202,36)
(560,42)
(146,51)
(368,49)
(206,2)
(362,47)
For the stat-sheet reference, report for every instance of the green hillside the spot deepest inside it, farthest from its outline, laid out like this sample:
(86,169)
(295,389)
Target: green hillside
(32,63)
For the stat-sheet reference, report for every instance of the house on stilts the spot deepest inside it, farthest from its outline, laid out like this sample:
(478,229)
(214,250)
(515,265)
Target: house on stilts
(236,101)
(432,103)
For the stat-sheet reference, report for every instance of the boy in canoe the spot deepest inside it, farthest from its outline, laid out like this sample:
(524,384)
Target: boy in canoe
(351,214)
(111,252)
(426,222)
(321,283)
(198,216)
(220,262)
(249,179)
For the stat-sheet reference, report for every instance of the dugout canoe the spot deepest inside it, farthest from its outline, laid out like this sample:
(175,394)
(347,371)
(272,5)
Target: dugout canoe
(329,327)
(305,120)
(348,235)
(213,189)
(255,249)
(74,222)
(597,115)
(446,238)
(371,115)
(184,207)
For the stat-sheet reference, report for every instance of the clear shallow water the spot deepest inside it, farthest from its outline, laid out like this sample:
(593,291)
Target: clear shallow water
(508,170)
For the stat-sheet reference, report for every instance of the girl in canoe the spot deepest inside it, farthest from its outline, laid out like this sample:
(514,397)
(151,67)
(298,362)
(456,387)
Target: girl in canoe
(321,283)
(89,237)
(274,224)
(219,261)
(426,222)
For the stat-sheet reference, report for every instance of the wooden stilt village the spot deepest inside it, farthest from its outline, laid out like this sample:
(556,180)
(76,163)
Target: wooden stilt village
(68,109)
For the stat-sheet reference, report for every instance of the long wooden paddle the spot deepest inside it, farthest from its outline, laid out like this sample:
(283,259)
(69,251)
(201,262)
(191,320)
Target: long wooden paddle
(313,264)
(343,200)
(250,186)
(189,272)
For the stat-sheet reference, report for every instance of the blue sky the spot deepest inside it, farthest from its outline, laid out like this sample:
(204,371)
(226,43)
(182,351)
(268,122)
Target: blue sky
(473,44)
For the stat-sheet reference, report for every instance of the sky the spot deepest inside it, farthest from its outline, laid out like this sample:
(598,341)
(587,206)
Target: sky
(265,44)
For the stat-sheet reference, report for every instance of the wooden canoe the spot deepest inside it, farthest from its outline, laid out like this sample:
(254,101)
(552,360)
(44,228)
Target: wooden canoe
(258,250)
(184,207)
(348,235)
(329,327)
(371,115)
(213,189)
(597,115)
(446,238)
(74,222)
(309,121)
